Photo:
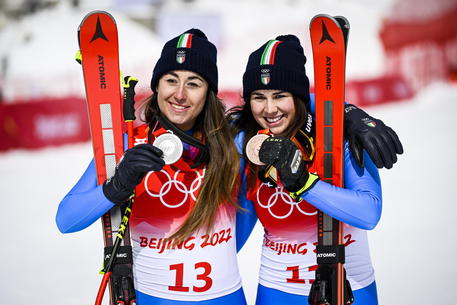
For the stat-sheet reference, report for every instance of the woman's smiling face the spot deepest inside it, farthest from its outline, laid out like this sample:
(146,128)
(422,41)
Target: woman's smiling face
(181,96)
(273,109)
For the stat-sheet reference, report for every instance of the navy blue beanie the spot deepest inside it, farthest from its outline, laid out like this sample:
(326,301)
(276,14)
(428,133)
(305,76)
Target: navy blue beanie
(279,64)
(189,51)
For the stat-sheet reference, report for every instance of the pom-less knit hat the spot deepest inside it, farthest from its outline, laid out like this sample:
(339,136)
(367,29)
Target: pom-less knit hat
(279,64)
(189,51)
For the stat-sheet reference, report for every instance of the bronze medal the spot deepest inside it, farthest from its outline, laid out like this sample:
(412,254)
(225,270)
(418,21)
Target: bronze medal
(253,147)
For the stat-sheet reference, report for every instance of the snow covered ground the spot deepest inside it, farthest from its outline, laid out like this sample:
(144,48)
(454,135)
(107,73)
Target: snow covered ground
(414,244)
(412,247)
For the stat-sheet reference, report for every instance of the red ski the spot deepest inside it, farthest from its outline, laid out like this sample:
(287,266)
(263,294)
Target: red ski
(329,56)
(98,42)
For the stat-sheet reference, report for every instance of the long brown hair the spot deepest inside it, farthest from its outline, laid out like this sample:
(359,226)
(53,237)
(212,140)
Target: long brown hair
(221,174)
(244,121)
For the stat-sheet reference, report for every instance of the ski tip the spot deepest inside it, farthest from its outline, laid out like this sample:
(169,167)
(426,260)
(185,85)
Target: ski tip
(343,21)
(326,16)
(96,12)
(93,14)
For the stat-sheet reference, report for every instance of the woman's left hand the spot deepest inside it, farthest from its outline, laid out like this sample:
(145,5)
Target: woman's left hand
(365,132)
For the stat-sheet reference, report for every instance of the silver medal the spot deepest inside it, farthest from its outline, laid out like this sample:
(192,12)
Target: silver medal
(171,146)
(253,147)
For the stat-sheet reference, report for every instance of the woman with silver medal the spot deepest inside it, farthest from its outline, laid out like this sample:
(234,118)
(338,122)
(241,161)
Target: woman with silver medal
(183,221)
(283,190)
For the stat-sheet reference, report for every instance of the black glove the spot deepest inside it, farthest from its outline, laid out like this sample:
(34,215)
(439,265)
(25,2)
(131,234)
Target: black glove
(132,168)
(365,132)
(285,156)
(267,176)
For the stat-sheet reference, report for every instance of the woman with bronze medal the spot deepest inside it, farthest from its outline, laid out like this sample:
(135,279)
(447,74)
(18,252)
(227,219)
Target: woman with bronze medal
(281,184)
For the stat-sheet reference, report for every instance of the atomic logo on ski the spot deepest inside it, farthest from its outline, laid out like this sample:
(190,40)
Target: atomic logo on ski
(98,32)
(328,70)
(325,34)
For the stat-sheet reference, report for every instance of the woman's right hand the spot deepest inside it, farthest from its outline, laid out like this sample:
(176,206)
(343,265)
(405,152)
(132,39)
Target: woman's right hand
(286,157)
(130,171)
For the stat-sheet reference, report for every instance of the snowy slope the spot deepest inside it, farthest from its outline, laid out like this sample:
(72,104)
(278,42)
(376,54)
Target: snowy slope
(412,247)
(414,244)
(40,53)
(40,49)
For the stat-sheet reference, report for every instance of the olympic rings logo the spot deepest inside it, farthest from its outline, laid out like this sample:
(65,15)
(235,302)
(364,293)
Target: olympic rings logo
(280,195)
(178,185)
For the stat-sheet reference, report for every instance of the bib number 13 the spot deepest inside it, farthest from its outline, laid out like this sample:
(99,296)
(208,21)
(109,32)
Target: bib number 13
(202,269)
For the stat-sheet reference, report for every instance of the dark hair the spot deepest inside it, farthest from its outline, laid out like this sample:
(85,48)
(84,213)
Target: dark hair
(243,120)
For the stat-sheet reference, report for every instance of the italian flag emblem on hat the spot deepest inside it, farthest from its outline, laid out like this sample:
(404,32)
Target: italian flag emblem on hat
(268,58)
(370,123)
(265,76)
(184,41)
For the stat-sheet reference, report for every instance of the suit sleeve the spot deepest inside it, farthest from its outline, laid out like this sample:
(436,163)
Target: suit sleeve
(83,205)
(359,204)
(246,217)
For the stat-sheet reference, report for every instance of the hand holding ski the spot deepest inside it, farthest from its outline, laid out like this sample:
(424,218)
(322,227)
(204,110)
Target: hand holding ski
(135,164)
(99,56)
